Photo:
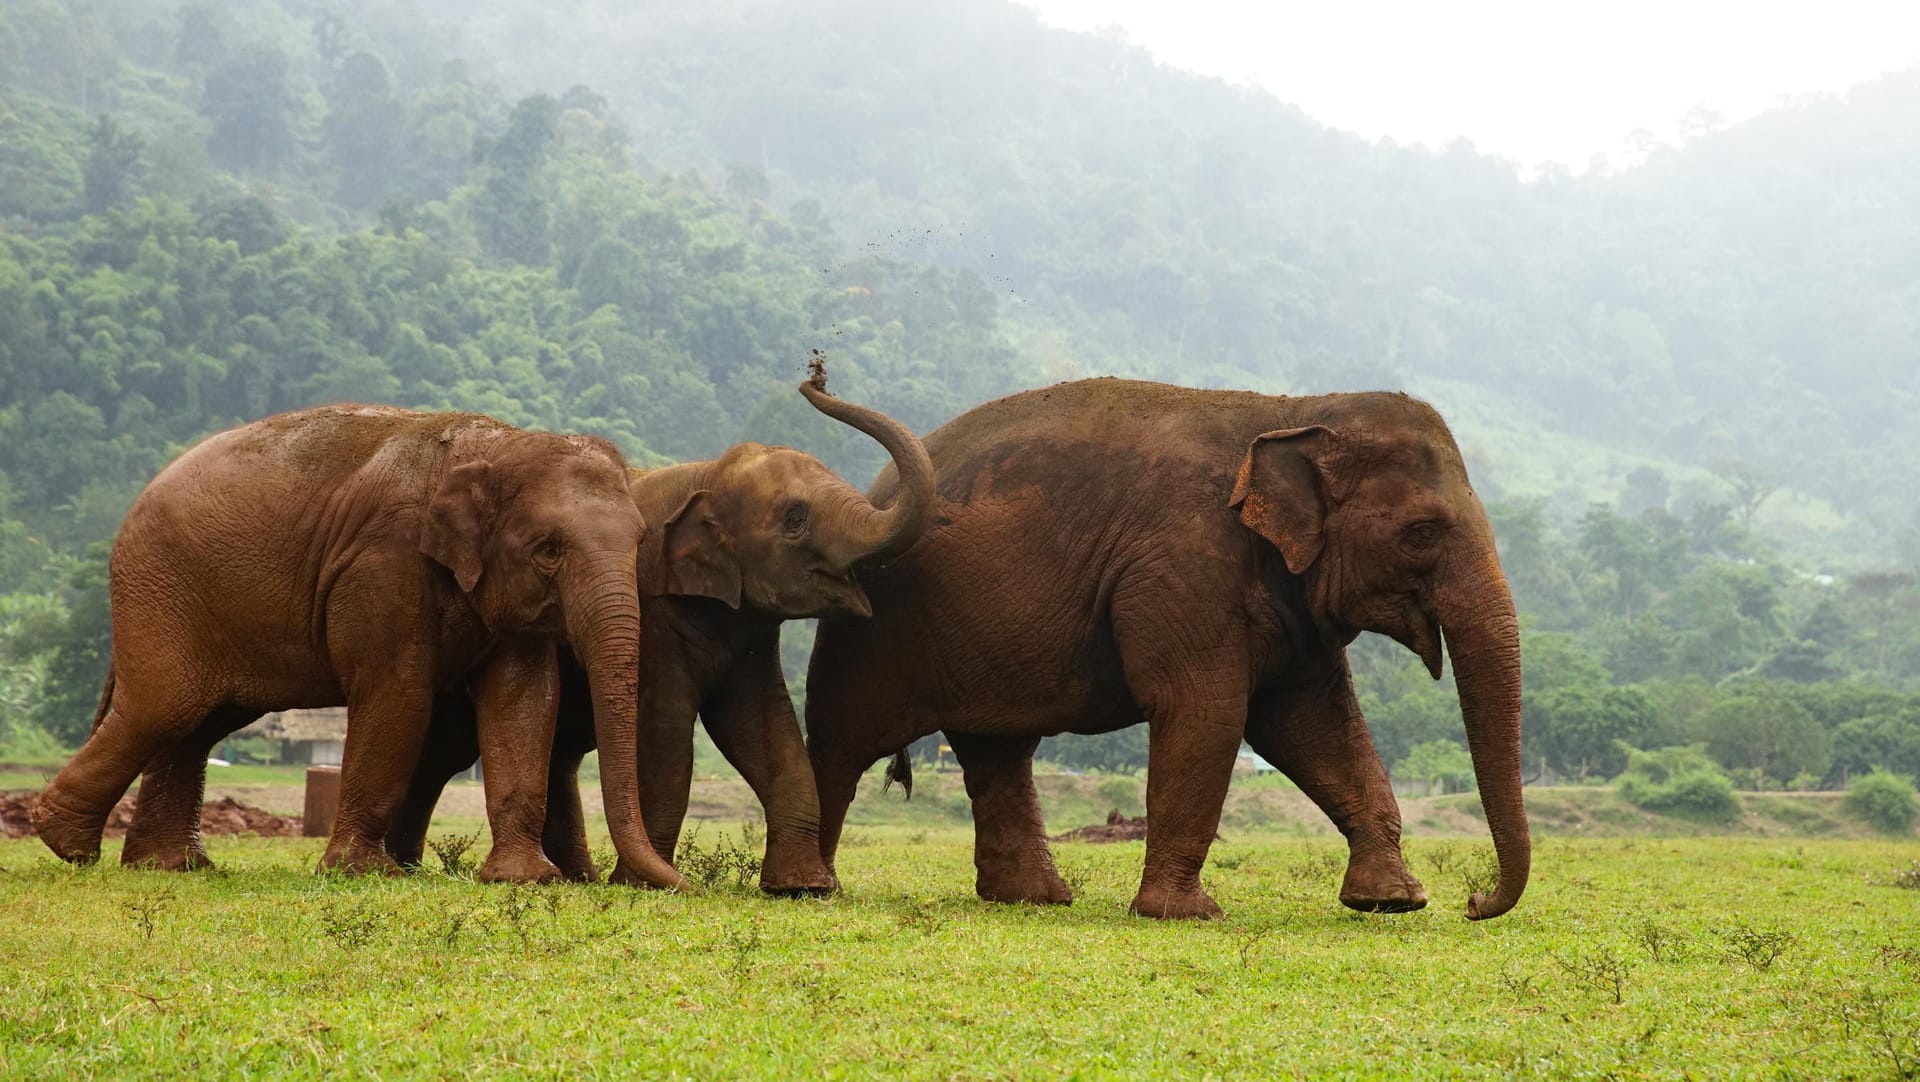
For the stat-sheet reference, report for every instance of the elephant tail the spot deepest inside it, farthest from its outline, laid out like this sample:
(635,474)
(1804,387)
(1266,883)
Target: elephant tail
(899,770)
(106,702)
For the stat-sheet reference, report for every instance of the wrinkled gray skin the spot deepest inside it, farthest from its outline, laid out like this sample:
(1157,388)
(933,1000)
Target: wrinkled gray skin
(1110,552)
(756,537)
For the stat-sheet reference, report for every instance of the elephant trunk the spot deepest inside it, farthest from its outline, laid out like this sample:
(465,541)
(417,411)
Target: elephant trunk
(603,625)
(1476,615)
(865,531)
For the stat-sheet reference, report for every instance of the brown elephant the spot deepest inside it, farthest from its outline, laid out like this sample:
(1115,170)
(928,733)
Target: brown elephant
(1109,552)
(755,537)
(371,557)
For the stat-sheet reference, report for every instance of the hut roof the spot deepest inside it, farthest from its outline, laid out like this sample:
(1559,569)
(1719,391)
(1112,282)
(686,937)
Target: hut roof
(329,723)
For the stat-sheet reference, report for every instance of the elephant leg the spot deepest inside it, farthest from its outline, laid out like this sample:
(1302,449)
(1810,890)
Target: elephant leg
(1010,856)
(452,745)
(516,702)
(165,833)
(1190,682)
(751,721)
(389,710)
(564,837)
(1314,733)
(70,814)
(837,770)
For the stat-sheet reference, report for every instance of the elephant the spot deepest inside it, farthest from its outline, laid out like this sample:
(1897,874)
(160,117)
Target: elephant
(375,558)
(1108,552)
(755,537)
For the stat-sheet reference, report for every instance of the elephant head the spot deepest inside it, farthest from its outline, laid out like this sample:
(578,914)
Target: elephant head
(541,535)
(1373,510)
(775,529)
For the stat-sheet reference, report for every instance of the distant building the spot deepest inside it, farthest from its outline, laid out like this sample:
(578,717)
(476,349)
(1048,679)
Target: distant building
(313,737)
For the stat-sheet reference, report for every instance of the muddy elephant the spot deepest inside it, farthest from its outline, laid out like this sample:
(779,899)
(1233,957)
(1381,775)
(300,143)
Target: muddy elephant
(1110,552)
(755,537)
(373,558)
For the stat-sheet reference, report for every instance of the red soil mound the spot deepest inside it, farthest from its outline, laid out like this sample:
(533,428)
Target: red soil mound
(1117,828)
(223,816)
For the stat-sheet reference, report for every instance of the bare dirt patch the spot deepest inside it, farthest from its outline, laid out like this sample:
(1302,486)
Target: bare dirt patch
(223,816)
(1117,828)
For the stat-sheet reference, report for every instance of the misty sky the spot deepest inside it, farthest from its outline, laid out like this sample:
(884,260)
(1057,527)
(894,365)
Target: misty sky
(1531,80)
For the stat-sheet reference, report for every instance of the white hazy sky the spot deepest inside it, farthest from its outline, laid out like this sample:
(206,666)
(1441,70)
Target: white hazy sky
(1537,81)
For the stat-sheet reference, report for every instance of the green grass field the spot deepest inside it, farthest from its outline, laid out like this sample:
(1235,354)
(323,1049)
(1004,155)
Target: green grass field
(1628,958)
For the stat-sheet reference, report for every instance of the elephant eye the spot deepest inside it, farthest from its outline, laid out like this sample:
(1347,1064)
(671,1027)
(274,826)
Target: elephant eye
(548,550)
(795,520)
(1422,535)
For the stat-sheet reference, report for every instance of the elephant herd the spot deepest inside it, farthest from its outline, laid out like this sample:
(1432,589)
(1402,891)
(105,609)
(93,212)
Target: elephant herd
(1077,559)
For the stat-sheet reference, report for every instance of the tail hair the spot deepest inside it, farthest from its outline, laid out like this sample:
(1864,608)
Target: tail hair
(899,770)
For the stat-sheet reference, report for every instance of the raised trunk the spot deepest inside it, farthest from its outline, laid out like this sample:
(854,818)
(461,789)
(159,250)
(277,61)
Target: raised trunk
(603,625)
(1476,615)
(863,530)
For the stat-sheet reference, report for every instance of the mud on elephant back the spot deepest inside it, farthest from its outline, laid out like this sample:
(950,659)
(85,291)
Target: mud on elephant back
(1111,552)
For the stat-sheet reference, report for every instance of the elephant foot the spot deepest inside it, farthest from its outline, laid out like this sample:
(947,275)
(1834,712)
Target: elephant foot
(186,857)
(1163,904)
(518,866)
(73,838)
(577,867)
(798,874)
(357,858)
(1033,885)
(1381,885)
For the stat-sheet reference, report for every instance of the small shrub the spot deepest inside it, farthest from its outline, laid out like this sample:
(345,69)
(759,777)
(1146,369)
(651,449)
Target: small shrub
(1679,781)
(1905,880)
(145,911)
(725,863)
(1882,799)
(1662,944)
(741,943)
(1599,968)
(350,924)
(451,851)
(1757,947)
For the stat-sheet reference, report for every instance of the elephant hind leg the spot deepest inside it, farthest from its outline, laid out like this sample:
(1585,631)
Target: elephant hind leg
(1010,856)
(564,837)
(452,745)
(71,812)
(166,819)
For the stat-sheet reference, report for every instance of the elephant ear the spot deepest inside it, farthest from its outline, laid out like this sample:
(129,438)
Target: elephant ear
(700,561)
(1281,492)
(454,531)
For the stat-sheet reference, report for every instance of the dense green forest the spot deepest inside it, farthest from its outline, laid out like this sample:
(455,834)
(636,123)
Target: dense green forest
(1687,388)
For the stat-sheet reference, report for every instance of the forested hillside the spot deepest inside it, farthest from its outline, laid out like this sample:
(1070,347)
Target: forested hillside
(1687,388)
(1745,307)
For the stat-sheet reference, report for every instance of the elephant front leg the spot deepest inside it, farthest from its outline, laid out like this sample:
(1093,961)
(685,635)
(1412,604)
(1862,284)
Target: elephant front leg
(752,722)
(1010,856)
(515,700)
(1315,734)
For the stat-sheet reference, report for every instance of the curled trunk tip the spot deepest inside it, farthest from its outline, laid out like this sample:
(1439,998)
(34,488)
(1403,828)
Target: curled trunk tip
(872,532)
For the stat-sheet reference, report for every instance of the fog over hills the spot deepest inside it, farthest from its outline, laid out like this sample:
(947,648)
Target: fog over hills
(1745,304)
